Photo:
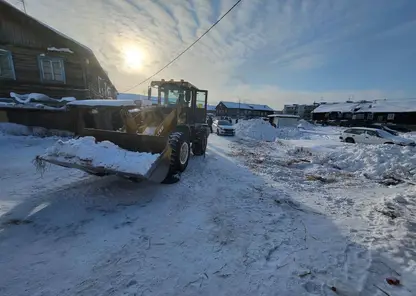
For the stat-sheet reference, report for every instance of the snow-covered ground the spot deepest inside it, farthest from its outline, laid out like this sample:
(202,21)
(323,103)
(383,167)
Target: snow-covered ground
(252,218)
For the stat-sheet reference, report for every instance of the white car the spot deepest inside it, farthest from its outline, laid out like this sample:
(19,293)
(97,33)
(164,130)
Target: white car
(223,127)
(373,136)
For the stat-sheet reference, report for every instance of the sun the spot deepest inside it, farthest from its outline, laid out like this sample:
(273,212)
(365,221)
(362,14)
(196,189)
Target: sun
(133,58)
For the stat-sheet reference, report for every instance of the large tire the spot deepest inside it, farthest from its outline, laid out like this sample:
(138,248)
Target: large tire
(200,145)
(181,151)
(350,140)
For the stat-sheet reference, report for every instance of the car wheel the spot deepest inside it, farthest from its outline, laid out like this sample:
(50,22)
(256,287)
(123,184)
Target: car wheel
(350,140)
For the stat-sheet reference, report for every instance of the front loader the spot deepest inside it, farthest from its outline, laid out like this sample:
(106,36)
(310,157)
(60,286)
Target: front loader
(172,128)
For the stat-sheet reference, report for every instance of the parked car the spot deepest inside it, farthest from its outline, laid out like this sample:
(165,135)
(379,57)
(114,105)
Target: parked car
(382,127)
(373,136)
(223,127)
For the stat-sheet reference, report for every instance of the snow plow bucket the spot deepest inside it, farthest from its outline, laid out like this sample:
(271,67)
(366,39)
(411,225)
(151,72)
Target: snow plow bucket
(103,152)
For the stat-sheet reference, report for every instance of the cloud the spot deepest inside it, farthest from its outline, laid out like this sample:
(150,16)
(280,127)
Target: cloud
(291,36)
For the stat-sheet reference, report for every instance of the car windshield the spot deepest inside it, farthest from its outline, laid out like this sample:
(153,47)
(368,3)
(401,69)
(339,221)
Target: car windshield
(223,122)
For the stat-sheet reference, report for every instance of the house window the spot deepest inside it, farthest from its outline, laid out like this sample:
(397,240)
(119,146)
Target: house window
(6,65)
(390,116)
(52,69)
(108,93)
(101,86)
(370,116)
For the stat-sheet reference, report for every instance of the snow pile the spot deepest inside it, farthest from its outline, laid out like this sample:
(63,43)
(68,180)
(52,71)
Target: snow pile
(306,125)
(398,205)
(372,161)
(258,129)
(35,97)
(102,154)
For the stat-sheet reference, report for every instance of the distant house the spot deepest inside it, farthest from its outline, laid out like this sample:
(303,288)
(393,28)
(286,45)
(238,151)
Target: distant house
(402,112)
(387,111)
(35,58)
(334,111)
(234,109)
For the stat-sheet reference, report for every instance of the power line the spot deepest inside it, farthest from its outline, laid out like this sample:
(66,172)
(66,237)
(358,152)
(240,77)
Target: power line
(196,41)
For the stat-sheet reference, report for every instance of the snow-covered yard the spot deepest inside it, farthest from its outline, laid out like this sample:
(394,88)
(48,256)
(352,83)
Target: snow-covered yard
(302,215)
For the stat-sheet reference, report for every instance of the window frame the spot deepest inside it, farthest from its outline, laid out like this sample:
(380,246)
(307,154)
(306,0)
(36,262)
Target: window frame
(372,133)
(9,56)
(390,116)
(355,131)
(102,85)
(41,60)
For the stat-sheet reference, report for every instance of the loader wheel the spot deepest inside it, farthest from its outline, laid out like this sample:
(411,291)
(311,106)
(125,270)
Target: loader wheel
(181,150)
(200,145)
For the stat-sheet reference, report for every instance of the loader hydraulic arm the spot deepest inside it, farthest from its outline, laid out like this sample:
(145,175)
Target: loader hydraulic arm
(169,123)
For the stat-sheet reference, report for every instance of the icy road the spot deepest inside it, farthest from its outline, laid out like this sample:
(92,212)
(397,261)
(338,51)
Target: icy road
(245,220)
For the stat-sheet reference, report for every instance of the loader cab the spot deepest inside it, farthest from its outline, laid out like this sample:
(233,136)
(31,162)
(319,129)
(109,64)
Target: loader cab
(170,94)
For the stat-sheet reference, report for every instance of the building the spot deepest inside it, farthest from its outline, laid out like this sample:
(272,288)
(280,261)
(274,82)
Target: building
(242,110)
(401,112)
(35,58)
(303,111)
(334,111)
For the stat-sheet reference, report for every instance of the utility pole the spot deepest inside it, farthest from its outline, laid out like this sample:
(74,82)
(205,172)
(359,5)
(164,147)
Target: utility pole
(239,102)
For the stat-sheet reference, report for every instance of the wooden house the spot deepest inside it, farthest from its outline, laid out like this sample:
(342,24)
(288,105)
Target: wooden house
(35,58)
(402,112)
(334,111)
(233,109)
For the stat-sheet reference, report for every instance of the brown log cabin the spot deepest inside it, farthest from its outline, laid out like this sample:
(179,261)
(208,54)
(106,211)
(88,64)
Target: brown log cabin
(35,58)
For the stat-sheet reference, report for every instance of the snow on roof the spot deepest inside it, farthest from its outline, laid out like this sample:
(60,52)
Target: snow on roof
(236,105)
(283,115)
(385,106)
(35,97)
(335,107)
(109,103)
(67,50)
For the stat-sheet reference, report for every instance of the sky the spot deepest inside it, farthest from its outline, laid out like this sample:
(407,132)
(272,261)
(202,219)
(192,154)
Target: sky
(271,52)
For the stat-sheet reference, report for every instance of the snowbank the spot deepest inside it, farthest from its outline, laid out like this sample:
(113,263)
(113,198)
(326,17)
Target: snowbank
(372,161)
(67,50)
(258,129)
(102,154)
(306,125)
(35,97)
